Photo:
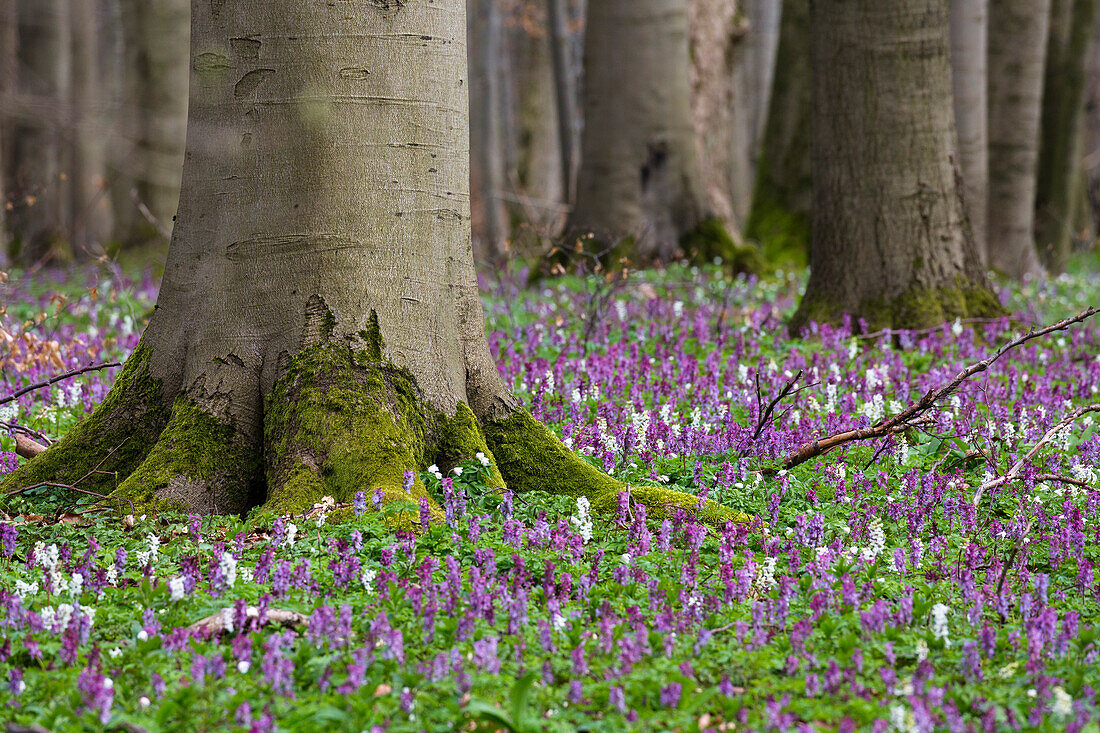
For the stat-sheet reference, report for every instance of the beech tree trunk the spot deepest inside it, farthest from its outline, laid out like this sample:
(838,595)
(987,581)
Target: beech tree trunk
(490,216)
(9,43)
(1061,148)
(639,177)
(891,244)
(565,92)
(783,196)
(969,51)
(319,329)
(1017,48)
(90,206)
(753,72)
(148,158)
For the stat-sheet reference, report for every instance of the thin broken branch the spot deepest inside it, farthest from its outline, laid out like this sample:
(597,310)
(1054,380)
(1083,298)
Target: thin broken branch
(764,414)
(59,378)
(916,413)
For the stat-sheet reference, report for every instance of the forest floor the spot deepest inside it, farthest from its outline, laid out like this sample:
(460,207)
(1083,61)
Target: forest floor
(871,593)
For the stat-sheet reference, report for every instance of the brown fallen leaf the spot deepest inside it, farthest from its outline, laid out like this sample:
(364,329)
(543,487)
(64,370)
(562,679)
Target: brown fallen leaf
(77,520)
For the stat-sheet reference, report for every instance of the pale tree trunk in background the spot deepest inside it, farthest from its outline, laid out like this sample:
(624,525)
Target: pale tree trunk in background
(1091,132)
(150,160)
(9,43)
(40,215)
(1061,146)
(1017,49)
(91,207)
(715,28)
(969,53)
(538,173)
(890,239)
(638,175)
(565,92)
(490,216)
(319,329)
(753,72)
(782,197)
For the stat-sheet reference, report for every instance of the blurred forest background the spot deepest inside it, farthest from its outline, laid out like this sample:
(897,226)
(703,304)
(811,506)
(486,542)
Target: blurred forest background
(93,106)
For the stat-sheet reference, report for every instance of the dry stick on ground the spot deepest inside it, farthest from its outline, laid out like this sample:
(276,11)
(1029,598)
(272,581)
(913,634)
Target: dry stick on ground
(911,416)
(59,378)
(1014,472)
(764,414)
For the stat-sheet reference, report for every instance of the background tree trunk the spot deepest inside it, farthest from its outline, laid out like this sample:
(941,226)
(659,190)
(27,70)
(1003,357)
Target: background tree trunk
(783,195)
(890,240)
(490,216)
(753,72)
(565,92)
(90,206)
(1061,147)
(9,43)
(148,155)
(1017,48)
(969,53)
(638,175)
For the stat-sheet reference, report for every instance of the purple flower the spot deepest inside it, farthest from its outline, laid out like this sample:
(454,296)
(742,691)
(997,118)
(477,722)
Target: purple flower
(616,698)
(97,692)
(670,694)
(360,503)
(8,535)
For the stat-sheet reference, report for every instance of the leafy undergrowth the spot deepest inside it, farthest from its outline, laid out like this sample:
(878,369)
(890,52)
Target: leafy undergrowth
(871,593)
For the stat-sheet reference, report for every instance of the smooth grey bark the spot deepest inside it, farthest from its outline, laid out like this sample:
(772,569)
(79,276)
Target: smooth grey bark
(969,53)
(9,42)
(1060,177)
(638,175)
(890,239)
(90,206)
(1017,49)
(753,72)
(565,92)
(715,29)
(490,217)
(148,154)
(537,176)
(1091,131)
(782,196)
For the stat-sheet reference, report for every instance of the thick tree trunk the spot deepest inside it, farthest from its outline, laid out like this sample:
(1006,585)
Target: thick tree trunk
(715,27)
(319,329)
(1058,189)
(782,199)
(1091,131)
(91,208)
(148,158)
(1017,48)
(490,216)
(753,72)
(9,44)
(890,240)
(969,52)
(639,177)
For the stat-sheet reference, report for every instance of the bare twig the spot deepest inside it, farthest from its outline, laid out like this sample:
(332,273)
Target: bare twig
(764,414)
(71,487)
(1014,473)
(148,215)
(915,413)
(59,378)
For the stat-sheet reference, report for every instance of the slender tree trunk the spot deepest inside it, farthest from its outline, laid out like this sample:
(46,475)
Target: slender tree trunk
(1091,132)
(319,329)
(565,91)
(1058,188)
(969,53)
(753,72)
(715,29)
(9,45)
(890,240)
(91,211)
(1017,48)
(538,167)
(149,167)
(486,140)
(780,214)
(639,177)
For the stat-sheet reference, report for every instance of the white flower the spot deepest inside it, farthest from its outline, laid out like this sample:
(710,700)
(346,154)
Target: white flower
(112,574)
(1063,703)
(367,578)
(25,589)
(243,667)
(922,650)
(956,328)
(20,687)
(482,458)
(176,588)
(227,619)
(228,567)
(876,538)
(246,573)
(76,585)
(765,574)
(143,635)
(291,531)
(458,470)
(558,622)
(320,520)
(144,702)
(115,653)
(582,520)
(625,558)
(939,623)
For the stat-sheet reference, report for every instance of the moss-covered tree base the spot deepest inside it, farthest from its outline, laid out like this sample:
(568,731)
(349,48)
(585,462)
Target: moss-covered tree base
(918,308)
(711,242)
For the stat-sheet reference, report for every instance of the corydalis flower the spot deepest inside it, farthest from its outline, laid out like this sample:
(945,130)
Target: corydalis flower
(582,520)
(939,623)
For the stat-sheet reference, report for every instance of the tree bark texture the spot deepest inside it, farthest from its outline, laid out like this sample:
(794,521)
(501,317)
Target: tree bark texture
(565,92)
(319,329)
(638,174)
(753,72)
(1017,49)
(890,240)
(1061,146)
(780,216)
(148,155)
(490,216)
(969,52)
(9,44)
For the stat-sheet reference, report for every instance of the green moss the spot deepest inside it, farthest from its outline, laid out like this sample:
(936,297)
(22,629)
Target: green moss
(710,240)
(532,458)
(372,335)
(461,438)
(114,438)
(783,233)
(199,463)
(918,308)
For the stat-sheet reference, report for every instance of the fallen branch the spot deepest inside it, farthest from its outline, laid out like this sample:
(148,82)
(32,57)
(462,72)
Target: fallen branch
(1014,473)
(59,378)
(764,414)
(915,414)
(27,448)
(215,622)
